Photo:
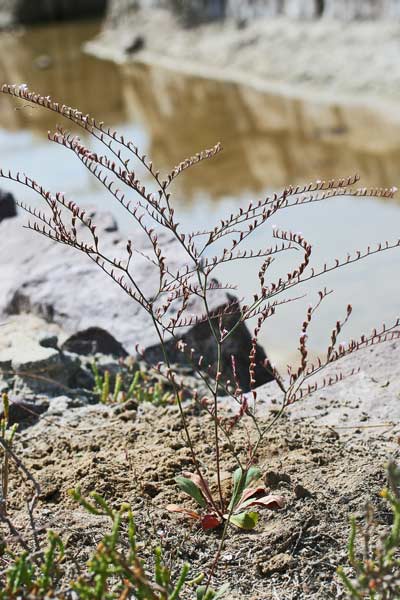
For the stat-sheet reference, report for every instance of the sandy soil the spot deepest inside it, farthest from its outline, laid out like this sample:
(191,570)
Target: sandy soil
(324,58)
(133,454)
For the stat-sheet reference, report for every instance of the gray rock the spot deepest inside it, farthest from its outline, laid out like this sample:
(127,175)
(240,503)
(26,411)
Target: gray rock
(28,366)
(359,9)
(70,290)
(28,356)
(60,405)
(192,12)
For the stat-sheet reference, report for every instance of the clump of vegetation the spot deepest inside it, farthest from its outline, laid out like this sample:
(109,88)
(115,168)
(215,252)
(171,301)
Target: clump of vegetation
(377,570)
(115,570)
(139,386)
(247,493)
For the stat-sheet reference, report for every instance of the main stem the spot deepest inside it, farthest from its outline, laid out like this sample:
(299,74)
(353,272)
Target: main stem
(216,427)
(182,412)
(215,392)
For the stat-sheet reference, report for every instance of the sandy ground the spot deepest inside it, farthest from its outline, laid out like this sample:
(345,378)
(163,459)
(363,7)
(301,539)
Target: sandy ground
(327,58)
(327,458)
(134,456)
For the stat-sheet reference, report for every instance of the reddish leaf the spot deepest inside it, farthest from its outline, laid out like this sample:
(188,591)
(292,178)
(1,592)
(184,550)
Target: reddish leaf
(184,511)
(210,522)
(271,501)
(249,492)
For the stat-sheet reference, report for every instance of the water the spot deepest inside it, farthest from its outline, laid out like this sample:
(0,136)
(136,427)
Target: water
(269,141)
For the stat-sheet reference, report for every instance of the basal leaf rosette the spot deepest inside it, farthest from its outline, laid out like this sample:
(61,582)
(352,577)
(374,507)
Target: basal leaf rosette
(247,494)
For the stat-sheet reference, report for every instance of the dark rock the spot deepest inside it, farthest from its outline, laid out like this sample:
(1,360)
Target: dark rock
(39,11)
(22,412)
(92,341)
(48,341)
(301,492)
(137,44)
(8,207)
(189,12)
(237,345)
(194,12)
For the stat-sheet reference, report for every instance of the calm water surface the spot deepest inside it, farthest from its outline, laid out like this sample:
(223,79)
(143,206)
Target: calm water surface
(269,141)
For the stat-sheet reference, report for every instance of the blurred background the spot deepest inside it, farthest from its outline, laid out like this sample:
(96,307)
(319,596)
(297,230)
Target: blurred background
(296,90)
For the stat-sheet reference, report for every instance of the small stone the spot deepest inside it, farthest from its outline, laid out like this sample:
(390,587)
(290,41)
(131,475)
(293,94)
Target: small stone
(277,564)
(273,479)
(43,61)
(127,416)
(151,489)
(49,490)
(301,492)
(137,44)
(47,340)
(227,557)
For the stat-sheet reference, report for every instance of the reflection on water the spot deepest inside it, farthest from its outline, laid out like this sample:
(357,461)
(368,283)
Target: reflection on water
(269,141)
(51,61)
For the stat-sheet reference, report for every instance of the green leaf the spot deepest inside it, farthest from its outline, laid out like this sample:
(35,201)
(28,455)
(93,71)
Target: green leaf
(211,594)
(200,592)
(241,482)
(253,474)
(187,486)
(221,592)
(245,520)
(238,486)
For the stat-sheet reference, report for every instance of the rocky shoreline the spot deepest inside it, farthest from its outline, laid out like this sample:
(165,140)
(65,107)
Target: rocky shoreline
(319,59)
